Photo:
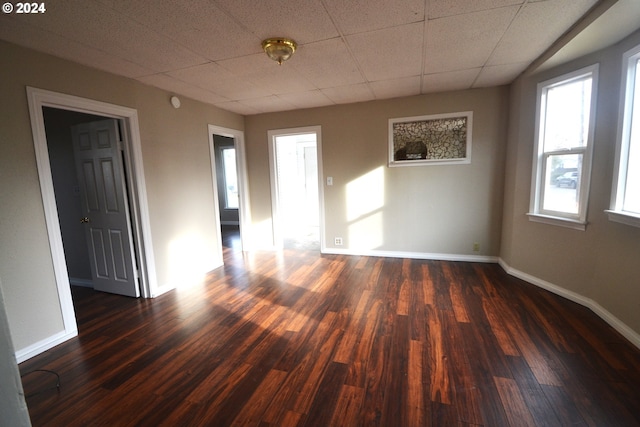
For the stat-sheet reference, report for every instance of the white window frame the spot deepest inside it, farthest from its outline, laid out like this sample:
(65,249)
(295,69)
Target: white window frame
(536,212)
(627,88)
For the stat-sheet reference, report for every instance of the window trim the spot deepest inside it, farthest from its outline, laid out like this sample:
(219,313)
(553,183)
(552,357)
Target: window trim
(536,213)
(623,144)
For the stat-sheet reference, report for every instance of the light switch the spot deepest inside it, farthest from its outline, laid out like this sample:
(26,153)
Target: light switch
(329,180)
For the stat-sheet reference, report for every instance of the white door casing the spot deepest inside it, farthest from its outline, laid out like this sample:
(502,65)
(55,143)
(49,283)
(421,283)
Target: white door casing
(272,135)
(105,207)
(244,210)
(38,98)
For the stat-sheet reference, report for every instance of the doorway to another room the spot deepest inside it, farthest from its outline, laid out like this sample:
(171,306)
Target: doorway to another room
(121,168)
(296,194)
(229,173)
(228,200)
(88,172)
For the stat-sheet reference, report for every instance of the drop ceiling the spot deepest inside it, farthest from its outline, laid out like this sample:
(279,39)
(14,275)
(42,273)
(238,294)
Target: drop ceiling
(348,51)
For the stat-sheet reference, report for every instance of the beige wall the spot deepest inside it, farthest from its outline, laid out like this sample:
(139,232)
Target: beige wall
(175,148)
(419,210)
(600,263)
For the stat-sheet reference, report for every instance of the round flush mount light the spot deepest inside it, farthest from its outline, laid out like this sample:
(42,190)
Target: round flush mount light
(175,101)
(279,48)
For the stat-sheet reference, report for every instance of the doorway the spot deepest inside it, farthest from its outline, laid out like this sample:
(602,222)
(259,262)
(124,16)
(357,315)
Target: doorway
(227,179)
(135,186)
(229,174)
(296,175)
(92,202)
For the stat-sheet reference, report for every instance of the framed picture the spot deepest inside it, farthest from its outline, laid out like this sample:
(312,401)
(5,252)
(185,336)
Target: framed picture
(430,140)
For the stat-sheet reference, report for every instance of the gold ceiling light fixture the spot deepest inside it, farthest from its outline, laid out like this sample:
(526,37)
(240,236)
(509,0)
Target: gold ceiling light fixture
(279,48)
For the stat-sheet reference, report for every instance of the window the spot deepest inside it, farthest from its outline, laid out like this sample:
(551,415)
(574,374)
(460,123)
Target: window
(563,146)
(230,178)
(625,201)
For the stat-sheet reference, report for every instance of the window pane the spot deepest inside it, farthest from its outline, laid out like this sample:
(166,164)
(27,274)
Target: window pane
(567,115)
(230,177)
(562,183)
(632,188)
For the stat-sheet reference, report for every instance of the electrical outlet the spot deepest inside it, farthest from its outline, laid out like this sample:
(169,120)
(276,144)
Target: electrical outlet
(338,241)
(476,247)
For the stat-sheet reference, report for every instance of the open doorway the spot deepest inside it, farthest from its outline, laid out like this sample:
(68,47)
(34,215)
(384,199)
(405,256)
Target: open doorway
(131,154)
(295,159)
(92,201)
(228,200)
(229,173)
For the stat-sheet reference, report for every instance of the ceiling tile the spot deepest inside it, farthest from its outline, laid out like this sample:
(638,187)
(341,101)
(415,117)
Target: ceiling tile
(269,104)
(19,32)
(465,41)
(406,86)
(170,84)
(453,80)
(262,71)
(390,53)
(326,63)
(497,75)
(441,8)
(94,24)
(304,21)
(310,99)
(220,81)
(524,40)
(357,16)
(199,25)
(238,107)
(347,94)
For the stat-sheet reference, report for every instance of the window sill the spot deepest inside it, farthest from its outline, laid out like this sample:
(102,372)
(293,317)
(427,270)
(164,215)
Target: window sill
(574,224)
(624,218)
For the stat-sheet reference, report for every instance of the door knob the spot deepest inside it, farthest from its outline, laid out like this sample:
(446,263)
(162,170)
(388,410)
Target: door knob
(84,220)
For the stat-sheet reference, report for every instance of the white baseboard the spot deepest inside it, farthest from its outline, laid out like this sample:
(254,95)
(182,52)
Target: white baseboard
(412,255)
(44,345)
(604,314)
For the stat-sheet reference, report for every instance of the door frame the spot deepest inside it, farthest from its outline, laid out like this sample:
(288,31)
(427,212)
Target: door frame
(135,182)
(273,171)
(244,211)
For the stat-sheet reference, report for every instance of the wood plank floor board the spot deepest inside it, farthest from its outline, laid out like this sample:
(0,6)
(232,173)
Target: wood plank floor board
(482,340)
(348,407)
(564,407)
(532,393)
(395,409)
(320,412)
(295,338)
(513,403)
(482,366)
(465,385)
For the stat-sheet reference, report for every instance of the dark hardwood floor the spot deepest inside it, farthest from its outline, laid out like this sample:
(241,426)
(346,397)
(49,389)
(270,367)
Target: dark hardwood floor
(300,339)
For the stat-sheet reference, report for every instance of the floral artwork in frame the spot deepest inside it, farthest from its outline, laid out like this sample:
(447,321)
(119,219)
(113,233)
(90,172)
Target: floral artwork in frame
(428,140)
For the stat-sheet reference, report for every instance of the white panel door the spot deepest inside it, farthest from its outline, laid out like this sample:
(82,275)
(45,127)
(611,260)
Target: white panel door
(104,206)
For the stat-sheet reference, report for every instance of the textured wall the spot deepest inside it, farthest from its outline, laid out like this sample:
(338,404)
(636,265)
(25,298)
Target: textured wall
(434,209)
(600,263)
(175,149)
